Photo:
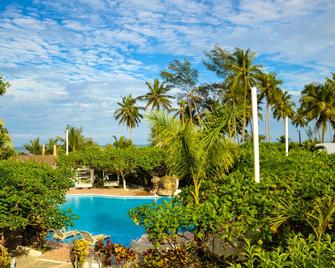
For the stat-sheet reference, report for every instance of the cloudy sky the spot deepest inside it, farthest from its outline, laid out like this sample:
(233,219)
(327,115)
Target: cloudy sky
(70,61)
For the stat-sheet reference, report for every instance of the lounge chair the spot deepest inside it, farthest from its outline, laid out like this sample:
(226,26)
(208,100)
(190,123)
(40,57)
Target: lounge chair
(63,234)
(92,239)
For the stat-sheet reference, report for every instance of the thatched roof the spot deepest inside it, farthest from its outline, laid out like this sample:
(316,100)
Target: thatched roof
(49,159)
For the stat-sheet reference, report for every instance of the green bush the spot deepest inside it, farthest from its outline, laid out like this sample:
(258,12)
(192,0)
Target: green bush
(131,160)
(237,208)
(29,196)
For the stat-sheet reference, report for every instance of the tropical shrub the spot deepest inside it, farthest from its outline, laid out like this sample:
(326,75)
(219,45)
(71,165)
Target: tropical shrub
(106,253)
(29,195)
(298,252)
(79,252)
(4,256)
(6,146)
(236,208)
(123,161)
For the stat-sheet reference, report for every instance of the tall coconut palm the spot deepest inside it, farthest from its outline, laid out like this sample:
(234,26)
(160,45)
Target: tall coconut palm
(284,106)
(244,74)
(269,87)
(318,103)
(34,147)
(157,96)
(128,113)
(283,109)
(299,120)
(192,152)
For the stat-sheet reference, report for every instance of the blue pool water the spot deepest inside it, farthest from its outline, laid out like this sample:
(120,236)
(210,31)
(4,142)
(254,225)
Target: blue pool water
(107,215)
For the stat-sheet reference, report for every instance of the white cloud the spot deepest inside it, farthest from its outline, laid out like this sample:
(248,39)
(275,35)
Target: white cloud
(79,57)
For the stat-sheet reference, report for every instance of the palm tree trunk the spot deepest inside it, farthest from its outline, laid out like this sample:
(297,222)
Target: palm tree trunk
(244,112)
(324,128)
(268,137)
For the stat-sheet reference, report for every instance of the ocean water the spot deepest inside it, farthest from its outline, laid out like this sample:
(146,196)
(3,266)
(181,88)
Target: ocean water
(107,215)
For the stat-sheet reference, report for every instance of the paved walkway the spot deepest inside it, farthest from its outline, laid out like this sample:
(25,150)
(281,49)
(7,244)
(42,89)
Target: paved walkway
(111,191)
(33,262)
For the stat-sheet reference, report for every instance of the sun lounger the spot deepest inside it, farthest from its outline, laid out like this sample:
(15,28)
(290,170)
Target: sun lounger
(62,234)
(92,239)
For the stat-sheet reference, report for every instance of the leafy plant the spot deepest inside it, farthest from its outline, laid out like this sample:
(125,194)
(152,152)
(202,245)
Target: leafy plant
(29,196)
(79,252)
(34,147)
(4,256)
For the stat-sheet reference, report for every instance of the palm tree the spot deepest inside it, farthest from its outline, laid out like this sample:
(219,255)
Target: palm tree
(318,103)
(284,109)
(128,113)
(269,87)
(122,142)
(50,145)
(299,121)
(157,96)
(34,147)
(192,152)
(77,140)
(244,74)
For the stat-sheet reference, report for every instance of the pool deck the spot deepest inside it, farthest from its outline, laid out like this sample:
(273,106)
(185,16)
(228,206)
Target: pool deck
(110,191)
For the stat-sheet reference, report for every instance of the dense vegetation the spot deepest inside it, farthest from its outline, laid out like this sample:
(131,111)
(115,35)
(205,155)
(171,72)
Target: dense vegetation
(140,162)
(29,195)
(285,221)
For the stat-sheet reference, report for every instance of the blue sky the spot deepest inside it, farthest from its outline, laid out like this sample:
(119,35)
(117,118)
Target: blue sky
(70,61)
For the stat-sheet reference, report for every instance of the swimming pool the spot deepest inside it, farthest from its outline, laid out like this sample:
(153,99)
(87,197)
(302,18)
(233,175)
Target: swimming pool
(107,215)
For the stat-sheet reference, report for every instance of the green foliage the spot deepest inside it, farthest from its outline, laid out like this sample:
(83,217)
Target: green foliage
(170,257)
(4,85)
(157,96)
(79,252)
(180,75)
(105,252)
(236,208)
(50,145)
(128,113)
(122,142)
(121,161)
(192,153)
(34,147)
(318,102)
(77,140)
(111,158)
(298,252)
(29,195)
(6,146)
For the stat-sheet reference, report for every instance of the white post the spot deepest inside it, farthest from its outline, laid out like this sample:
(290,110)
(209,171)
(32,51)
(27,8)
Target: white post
(286,135)
(67,141)
(54,150)
(43,149)
(255,132)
